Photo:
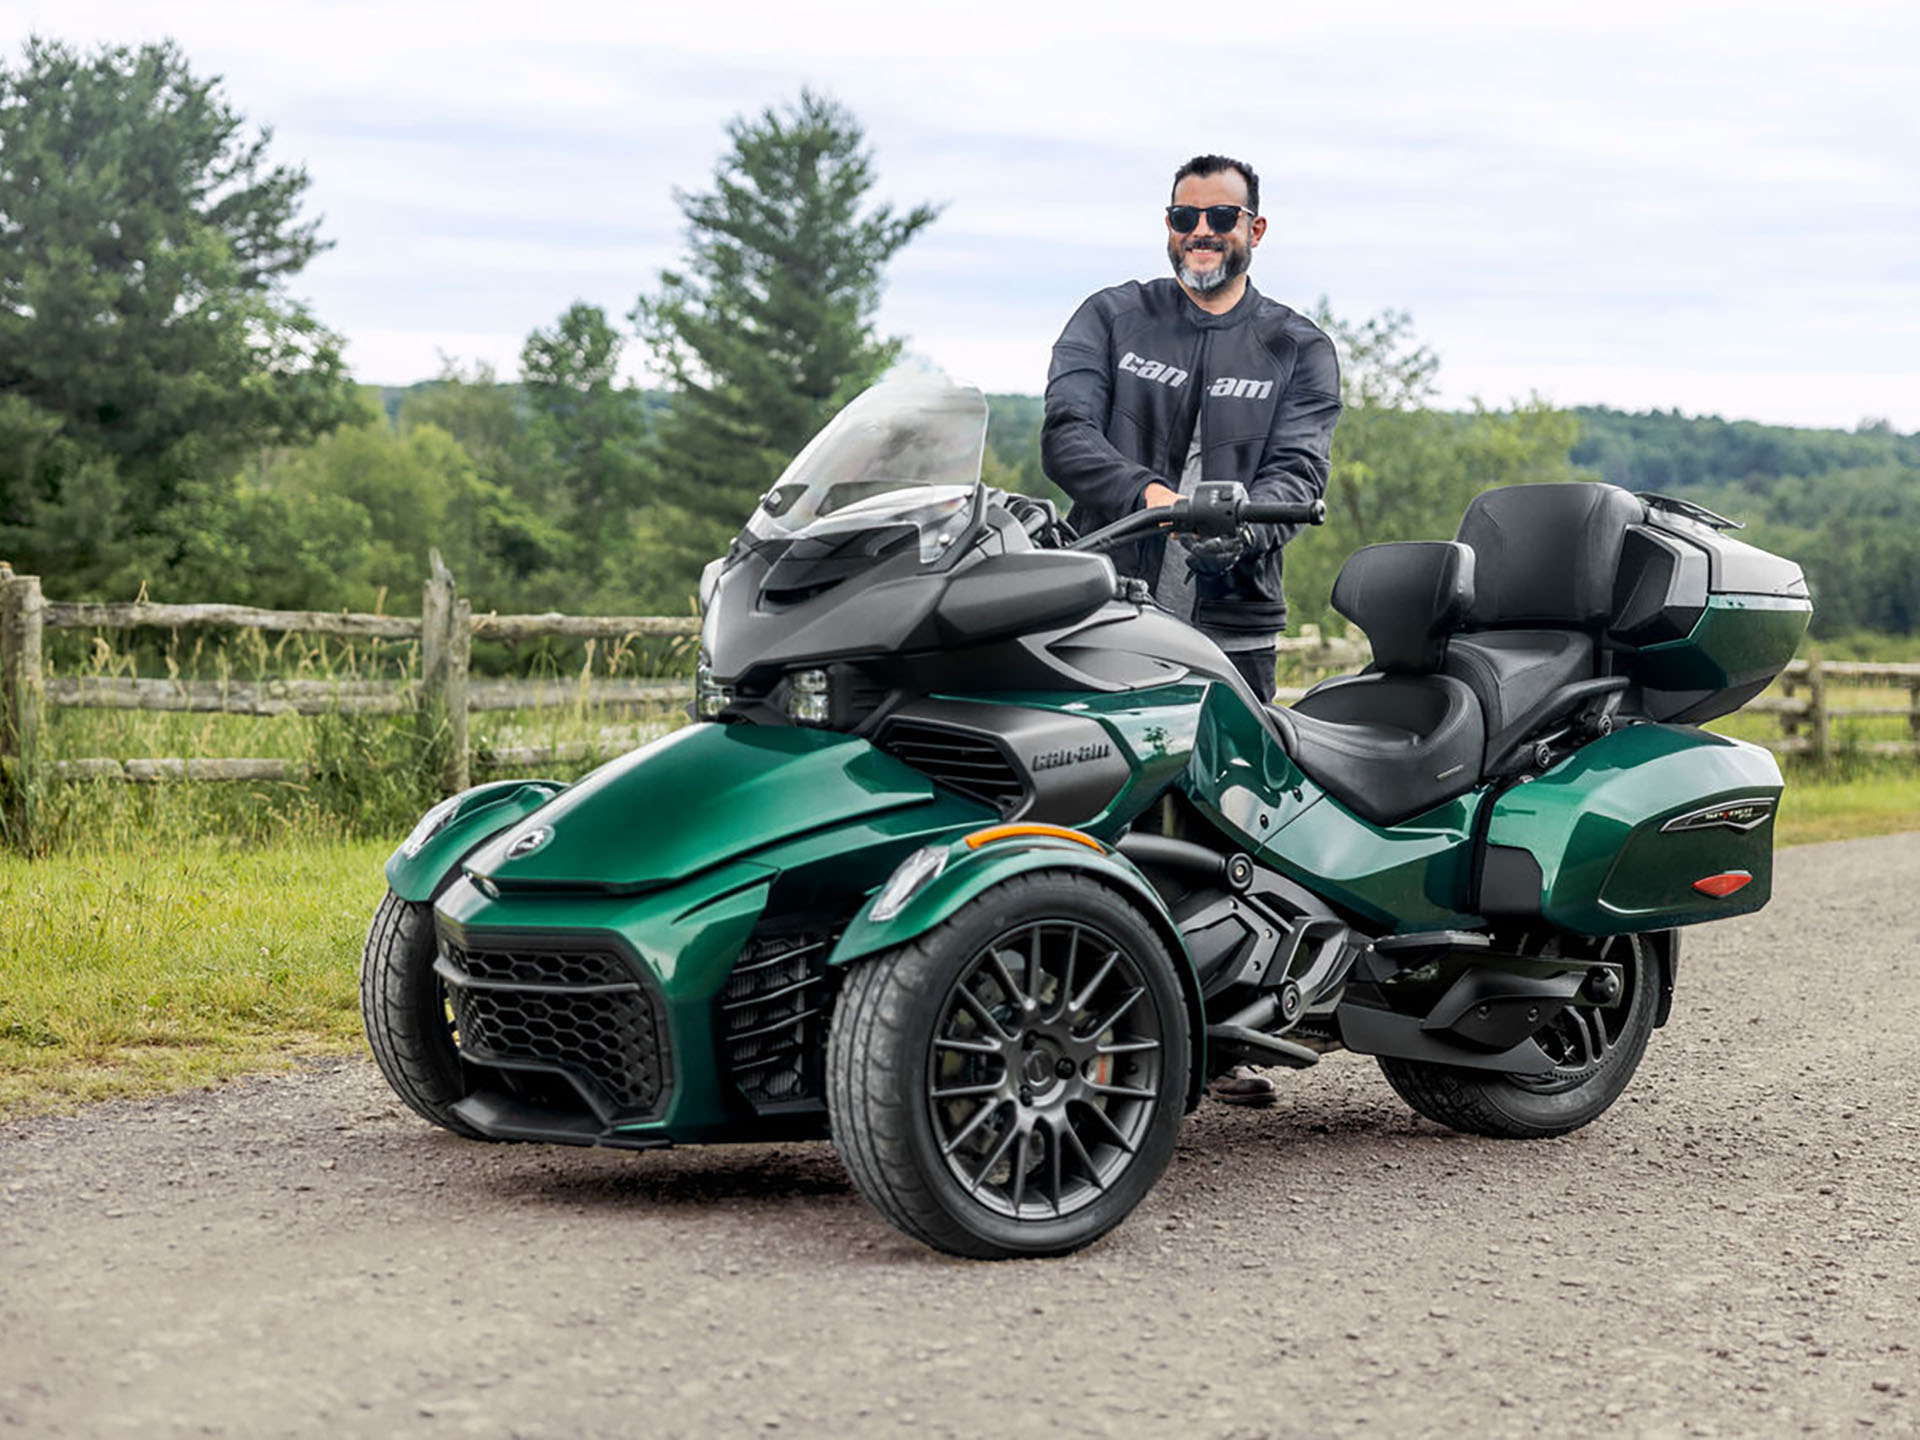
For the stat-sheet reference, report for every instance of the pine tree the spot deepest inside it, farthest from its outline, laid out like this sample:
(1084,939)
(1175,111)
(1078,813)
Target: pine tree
(590,421)
(768,329)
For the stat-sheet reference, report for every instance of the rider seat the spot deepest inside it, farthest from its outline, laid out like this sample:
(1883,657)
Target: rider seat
(1479,645)
(1400,738)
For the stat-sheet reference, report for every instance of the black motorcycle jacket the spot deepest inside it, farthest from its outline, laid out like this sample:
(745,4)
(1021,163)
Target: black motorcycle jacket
(1131,373)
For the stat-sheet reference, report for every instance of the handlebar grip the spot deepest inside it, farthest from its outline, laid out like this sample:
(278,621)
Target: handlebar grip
(1285,512)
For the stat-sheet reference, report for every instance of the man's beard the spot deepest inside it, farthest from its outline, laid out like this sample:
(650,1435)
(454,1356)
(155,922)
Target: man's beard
(1234,260)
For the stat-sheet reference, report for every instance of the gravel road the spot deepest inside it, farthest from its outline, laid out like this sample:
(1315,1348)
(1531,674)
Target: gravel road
(1733,1250)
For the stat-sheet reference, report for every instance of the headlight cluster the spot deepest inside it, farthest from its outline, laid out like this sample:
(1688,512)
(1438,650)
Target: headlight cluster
(809,697)
(709,696)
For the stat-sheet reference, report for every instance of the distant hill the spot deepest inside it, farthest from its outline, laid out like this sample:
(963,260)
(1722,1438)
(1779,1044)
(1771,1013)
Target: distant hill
(1665,450)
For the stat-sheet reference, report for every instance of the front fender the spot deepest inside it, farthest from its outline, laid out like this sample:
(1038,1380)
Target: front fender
(417,869)
(969,873)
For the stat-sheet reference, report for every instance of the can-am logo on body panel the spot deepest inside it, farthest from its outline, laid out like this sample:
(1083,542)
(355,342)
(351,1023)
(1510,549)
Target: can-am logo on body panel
(528,843)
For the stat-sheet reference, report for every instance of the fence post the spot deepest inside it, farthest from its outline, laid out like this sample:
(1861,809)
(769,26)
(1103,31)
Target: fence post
(446,640)
(1789,722)
(22,682)
(1822,722)
(1913,714)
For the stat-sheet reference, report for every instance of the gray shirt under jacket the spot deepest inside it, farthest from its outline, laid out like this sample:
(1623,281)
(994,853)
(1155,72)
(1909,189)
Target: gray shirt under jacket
(1174,590)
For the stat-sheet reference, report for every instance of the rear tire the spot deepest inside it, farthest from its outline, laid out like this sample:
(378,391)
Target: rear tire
(1012,1082)
(404,1006)
(1602,1049)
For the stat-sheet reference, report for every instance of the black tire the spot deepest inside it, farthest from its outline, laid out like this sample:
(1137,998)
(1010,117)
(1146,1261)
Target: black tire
(404,1007)
(1077,1088)
(1600,1050)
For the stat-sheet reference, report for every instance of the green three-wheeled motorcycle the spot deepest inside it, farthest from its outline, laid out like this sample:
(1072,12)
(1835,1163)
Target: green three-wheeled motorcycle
(982,865)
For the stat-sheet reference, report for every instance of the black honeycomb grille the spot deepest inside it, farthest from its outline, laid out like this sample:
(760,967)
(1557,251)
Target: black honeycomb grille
(580,1014)
(592,967)
(970,764)
(772,1017)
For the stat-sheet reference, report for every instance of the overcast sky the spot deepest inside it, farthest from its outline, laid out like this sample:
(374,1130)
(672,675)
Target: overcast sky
(1703,206)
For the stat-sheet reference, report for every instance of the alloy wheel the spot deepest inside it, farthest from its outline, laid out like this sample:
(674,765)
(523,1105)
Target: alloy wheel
(1047,1064)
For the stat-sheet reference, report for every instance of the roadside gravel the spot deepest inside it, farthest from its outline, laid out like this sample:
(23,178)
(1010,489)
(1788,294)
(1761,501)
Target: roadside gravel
(1733,1250)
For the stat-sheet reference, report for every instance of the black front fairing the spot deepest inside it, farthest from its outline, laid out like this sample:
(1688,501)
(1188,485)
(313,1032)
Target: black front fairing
(773,610)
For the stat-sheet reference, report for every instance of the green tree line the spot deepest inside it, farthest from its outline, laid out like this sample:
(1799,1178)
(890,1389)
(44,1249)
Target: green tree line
(174,422)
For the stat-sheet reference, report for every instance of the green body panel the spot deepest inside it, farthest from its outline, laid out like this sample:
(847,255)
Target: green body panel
(477,813)
(1737,640)
(698,797)
(1414,876)
(970,873)
(1593,823)
(1410,877)
(1239,770)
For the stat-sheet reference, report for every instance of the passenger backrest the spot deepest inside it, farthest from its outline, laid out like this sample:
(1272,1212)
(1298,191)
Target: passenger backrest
(1407,597)
(1546,555)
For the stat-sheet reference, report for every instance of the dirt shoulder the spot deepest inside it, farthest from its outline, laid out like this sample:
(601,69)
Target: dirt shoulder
(1734,1249)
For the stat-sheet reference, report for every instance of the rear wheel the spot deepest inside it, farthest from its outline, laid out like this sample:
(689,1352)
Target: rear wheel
(409,1022)
(1595,1052)
(1011,1083)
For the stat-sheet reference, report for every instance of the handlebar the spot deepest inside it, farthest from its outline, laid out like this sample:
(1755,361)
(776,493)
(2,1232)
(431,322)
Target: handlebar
(1215,509)
(1284,512)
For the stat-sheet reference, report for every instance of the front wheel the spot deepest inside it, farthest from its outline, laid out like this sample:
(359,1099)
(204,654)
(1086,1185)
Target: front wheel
(1595,1052)
(1011,1083)
(410,1026)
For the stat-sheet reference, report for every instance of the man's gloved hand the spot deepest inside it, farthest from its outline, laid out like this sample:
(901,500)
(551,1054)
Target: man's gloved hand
(1218,554)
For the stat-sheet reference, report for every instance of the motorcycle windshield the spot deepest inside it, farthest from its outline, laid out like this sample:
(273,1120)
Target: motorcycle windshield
(905,453)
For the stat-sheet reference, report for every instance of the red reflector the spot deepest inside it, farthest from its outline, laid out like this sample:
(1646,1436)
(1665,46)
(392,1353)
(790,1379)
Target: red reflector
(1721,886)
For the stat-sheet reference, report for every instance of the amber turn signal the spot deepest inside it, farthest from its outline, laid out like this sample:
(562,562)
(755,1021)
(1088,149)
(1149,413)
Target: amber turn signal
(1008,832)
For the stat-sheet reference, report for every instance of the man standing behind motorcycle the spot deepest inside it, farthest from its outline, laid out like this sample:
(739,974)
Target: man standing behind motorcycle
(1158,385)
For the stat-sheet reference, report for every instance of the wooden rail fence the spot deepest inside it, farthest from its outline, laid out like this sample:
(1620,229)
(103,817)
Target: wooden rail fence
(445,689)
(1807,712)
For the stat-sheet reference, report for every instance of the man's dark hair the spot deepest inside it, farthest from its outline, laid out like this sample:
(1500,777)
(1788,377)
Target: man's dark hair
(1212,165)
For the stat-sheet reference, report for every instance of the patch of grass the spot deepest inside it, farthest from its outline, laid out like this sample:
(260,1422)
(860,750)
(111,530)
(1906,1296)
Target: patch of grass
(138,973)
(1853,801)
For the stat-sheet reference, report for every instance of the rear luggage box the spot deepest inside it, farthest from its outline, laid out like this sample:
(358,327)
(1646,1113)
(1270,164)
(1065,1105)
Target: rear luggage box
(1708,621)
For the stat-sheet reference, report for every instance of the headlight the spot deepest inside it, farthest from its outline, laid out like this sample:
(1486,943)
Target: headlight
(431,824)
(809,697)
(709,696)
(908,879)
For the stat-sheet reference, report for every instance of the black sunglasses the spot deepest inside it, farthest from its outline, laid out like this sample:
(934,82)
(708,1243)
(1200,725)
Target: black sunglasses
(1220,218)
